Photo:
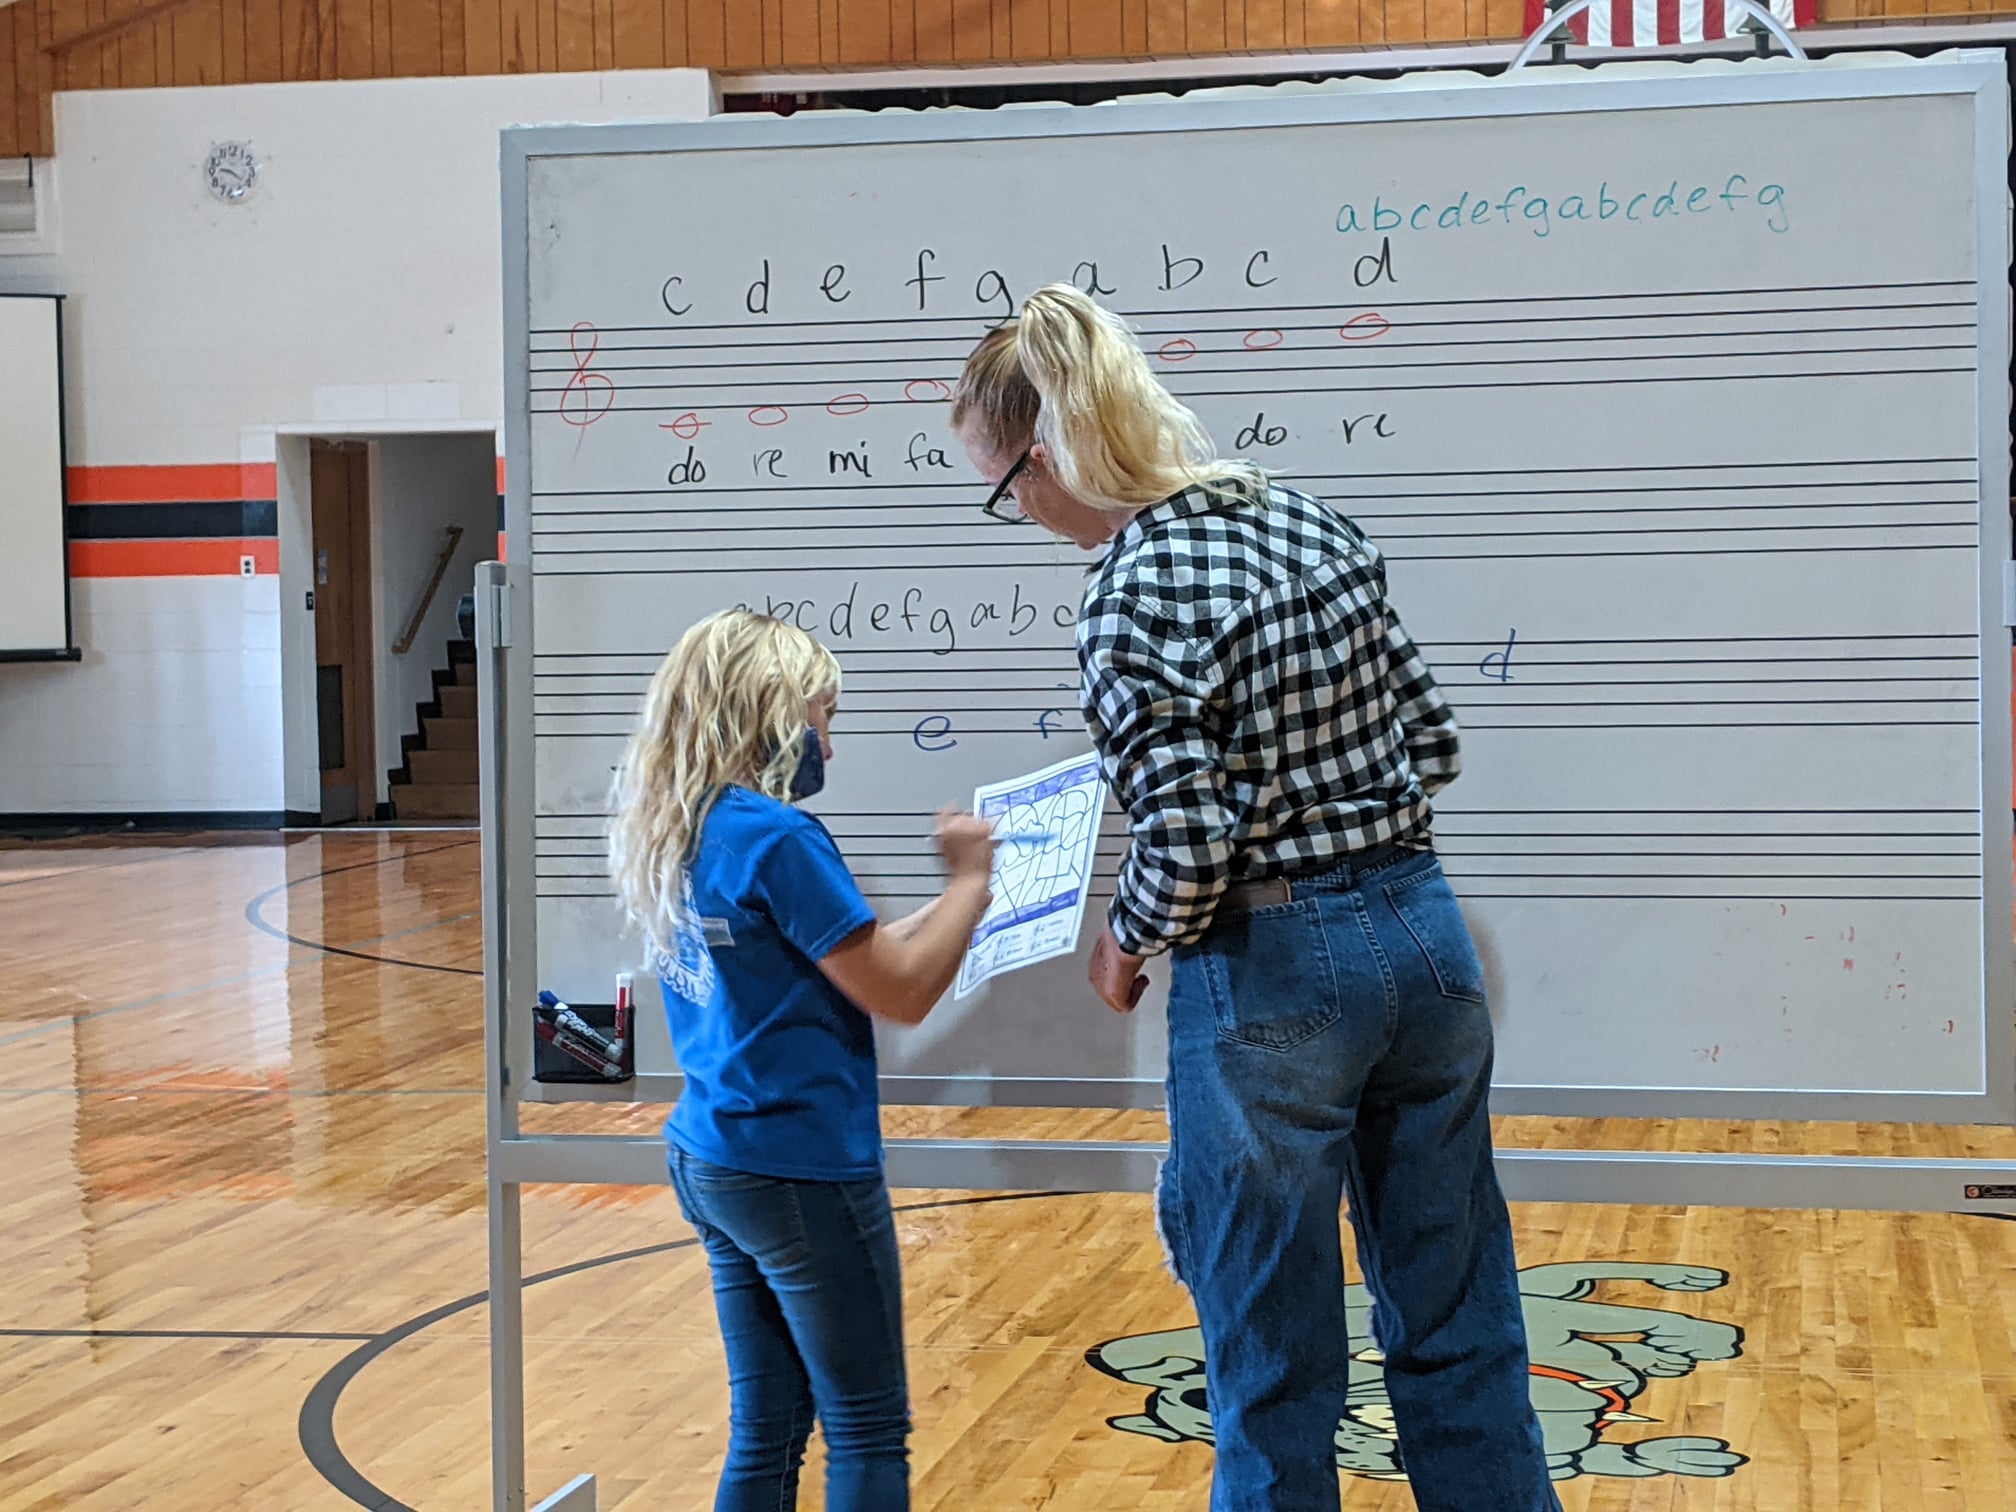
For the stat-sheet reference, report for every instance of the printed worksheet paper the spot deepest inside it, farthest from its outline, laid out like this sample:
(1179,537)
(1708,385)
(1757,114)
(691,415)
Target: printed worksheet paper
(1048,823)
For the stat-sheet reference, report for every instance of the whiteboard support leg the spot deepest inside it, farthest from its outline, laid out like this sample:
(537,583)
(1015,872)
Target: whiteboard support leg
(507,1351)
(578,1495)
(507,1268)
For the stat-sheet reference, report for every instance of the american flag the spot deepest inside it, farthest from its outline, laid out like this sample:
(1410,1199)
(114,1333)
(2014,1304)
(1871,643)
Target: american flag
(1663,23)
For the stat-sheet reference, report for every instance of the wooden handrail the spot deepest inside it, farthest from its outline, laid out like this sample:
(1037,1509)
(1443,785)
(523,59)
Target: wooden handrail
(405,642)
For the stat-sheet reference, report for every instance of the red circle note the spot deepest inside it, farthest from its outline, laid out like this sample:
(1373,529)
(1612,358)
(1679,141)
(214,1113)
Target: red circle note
(926,391)
(1367,327)
(769,414)
(1182,349)
(846,404)
(1259,341)
(685,426)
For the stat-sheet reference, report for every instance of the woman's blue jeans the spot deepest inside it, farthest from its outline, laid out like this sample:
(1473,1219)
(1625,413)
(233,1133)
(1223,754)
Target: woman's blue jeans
(1339,1043)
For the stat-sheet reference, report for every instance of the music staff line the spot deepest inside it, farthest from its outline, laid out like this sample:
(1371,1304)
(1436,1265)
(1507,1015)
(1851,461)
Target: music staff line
(983,318)
(791,517)
(1115,845)
(627,565)
(1469,895)
(1368,348)
(761,401)
(956,673)
(867,533)
(1470,726)
(1883,645)
(1463,684)
(911,360)
(979,487)
(1105,876)
(1452,676)
(1449,672)
(1444,656)
(915,517)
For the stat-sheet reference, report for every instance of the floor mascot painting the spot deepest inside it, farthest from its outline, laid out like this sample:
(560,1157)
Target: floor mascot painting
(1590,1362)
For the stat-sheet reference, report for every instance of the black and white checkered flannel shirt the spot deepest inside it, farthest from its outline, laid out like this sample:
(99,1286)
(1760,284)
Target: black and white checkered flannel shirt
(1257,706)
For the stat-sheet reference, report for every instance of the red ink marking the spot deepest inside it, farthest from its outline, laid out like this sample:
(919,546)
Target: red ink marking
(846,404)
(1781,910)
(586,386)
(1810,938)
(1850,936)
(1848,965)
(1949,1026)
(1367,327)
(1182,349)
(926,391)
(685,426)
(1258,341)
(769,414)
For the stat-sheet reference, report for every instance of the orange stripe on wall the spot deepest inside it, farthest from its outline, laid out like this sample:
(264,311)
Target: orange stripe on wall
(209,558)
(174,485)
(500,463)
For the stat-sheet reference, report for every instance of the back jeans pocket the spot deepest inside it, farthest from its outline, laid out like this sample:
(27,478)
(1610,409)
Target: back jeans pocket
(1427,905)
(1269,974)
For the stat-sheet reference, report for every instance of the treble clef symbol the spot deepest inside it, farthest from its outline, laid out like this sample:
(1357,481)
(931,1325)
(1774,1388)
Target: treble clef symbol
(594,393)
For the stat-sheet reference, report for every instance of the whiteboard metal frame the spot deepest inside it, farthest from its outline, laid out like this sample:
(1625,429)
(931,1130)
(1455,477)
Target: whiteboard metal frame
(69,651)
(504,604)
(1533,93)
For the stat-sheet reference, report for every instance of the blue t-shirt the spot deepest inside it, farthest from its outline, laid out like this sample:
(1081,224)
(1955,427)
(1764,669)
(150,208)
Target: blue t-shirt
(779,1065)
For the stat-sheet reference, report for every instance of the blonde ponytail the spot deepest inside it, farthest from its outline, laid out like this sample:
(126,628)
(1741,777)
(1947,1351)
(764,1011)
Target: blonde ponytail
(1070,375)
(728,705)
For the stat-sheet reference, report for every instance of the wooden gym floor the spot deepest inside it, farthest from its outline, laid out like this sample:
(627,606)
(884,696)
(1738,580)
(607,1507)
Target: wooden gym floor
(241,1147)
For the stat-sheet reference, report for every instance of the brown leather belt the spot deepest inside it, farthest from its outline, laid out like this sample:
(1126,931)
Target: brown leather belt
(1244,897)
(1270,892)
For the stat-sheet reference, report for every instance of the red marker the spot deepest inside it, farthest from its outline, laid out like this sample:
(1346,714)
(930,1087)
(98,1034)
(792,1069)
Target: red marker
(624,982)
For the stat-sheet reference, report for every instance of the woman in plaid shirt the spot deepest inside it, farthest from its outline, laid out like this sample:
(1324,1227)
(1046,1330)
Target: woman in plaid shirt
(1274,737)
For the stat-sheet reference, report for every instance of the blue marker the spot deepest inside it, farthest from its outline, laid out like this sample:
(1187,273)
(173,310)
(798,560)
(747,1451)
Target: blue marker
(1029,837)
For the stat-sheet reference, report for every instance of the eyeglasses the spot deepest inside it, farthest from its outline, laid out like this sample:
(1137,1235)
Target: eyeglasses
(1000,503)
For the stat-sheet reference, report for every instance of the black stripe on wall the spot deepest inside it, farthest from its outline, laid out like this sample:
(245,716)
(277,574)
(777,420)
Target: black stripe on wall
(229,519)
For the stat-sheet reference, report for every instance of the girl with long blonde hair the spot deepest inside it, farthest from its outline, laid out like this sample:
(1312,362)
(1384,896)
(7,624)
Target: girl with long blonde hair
(772,964)
(1273,736)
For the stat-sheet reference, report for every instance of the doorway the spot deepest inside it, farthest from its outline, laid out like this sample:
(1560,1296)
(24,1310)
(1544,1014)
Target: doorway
(346,739)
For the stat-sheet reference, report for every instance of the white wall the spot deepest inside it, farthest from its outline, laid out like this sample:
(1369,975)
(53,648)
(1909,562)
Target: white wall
(177,705)
(423,485)
(358,290)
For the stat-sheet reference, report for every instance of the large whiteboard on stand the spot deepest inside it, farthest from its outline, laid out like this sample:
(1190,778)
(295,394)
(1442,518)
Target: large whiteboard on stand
(1675,396)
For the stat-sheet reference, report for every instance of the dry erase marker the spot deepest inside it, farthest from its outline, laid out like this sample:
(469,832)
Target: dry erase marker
(624,982)
(567,1019)
(568,1044)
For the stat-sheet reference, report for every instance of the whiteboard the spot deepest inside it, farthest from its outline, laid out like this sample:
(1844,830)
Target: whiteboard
(34,566)
(1680,478)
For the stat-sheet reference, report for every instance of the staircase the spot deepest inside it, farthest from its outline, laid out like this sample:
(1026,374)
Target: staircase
(439,778)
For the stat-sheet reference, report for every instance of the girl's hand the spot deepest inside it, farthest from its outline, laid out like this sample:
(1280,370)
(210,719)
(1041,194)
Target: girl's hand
(967,844)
